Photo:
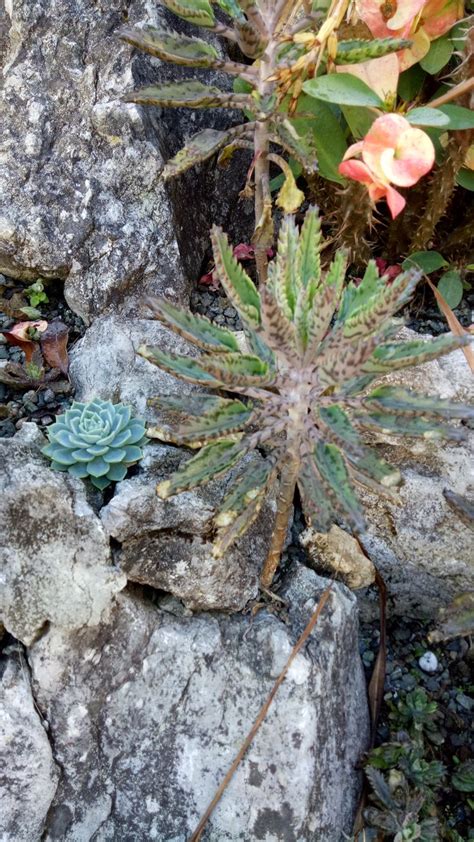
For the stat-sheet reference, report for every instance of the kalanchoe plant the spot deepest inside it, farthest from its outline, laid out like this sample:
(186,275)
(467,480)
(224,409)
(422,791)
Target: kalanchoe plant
(315,347)
(97,441)
(284,44)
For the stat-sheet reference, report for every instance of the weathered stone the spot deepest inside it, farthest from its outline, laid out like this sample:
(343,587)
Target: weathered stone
(82,196)
(29,777)
(421,547)
(147,713)
(105,363)
(168,543)
(55,558)
(338,553)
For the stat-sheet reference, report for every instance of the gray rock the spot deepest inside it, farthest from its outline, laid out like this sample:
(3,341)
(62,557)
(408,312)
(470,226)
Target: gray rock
(147,713)
(55,557)
(421,547)
(29,775)
(167,543)
(105,363)
(83,200)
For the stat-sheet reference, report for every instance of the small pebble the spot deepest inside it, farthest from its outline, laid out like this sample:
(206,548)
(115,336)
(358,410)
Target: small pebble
(46,419)
(3,352)
(428,662)
(48,396)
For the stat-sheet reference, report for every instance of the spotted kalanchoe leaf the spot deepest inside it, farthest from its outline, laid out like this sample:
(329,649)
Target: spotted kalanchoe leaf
(97,441)
(304,394)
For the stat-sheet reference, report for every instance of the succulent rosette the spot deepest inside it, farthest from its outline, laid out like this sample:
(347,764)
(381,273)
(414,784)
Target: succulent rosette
(98,440)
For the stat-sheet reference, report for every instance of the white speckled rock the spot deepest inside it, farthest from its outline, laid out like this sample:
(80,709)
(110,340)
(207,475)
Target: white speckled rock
(29,776)
(82,197)
(147,713)
(55,563)
(421,547)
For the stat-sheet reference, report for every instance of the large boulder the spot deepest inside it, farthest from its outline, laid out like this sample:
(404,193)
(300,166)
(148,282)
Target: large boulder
(147,713)
(83,201)
(421,546)
(29,775)
(56,565)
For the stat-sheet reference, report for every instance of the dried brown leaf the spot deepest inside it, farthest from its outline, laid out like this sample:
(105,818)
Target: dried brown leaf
(54,346)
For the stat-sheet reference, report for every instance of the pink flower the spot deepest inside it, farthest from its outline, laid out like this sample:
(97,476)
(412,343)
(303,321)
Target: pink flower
(393,152)
(420,20)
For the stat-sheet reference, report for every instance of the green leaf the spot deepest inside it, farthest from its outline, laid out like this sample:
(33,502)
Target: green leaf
(428,261)
(371,315)
(226,417)
(327,135)
(426,116)
(373,468)
(459,117)
(356,51)
(169,46)
(400,401)
(308,253)
(405,426)
(240,289)
(198,149)
(396,355)
(231,7)
(331,467)
(241,506)
(451,288)
(194,404)
(465,178)
(197,329)
(282,277)
(359,120)
(210,463)
(198,12)
(186,94)
(411,82)
(233,370)
(357,297)
(463,777)
(343,89)
(339,427)
(317,507)
(300,145)
(438,55)
(97,467)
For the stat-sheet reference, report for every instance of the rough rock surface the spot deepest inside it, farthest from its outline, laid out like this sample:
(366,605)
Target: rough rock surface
(55,557)
(28,779)
(167,543)
(105,363)
(421,547)
(147,713)
(82,196)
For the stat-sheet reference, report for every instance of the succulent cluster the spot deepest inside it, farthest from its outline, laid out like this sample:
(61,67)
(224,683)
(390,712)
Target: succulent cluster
(315,346)
(97,440)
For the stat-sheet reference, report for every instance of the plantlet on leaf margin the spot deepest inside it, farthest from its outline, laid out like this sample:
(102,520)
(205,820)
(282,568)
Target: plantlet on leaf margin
(284,54)
(315,346)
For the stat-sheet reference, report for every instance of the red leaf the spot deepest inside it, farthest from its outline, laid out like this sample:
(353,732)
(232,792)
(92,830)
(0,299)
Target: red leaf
(18,335)
(54,346)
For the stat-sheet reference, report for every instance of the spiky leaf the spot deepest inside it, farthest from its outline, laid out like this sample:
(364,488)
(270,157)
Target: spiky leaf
(240,508)
(188,94)
(239,287)
(392,399)
(227,417)
(396,355)
(354,52)
(198,12)
(211,462)
(197,329)
(198,149)
(169,46)
(332,469)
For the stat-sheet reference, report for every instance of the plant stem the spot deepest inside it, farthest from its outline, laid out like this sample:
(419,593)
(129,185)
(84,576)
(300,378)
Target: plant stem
(458,90)
(285,498)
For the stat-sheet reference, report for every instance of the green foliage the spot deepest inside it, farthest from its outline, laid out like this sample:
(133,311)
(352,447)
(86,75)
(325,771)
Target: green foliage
(36,294)
(96,440)
(316,348)
(342,89)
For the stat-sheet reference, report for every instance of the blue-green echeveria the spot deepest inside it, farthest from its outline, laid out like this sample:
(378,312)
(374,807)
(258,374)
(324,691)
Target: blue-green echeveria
(98,440)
